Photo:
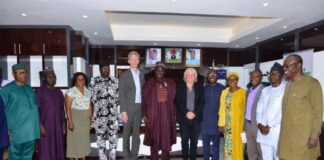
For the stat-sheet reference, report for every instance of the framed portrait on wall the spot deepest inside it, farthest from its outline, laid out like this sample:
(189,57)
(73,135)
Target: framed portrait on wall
(173,55)
(193,57)
(152,56)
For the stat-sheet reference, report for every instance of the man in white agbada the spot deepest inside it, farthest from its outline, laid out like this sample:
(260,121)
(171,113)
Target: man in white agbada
(268,114)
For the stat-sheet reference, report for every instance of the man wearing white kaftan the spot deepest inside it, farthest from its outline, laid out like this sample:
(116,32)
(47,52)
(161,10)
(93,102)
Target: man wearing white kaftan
(268,114)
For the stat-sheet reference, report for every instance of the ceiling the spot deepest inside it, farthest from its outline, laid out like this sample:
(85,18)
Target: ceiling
(194,23)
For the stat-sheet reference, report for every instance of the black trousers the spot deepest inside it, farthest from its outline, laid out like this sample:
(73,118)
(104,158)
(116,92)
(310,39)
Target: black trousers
(321,138)
(189,132)
(2,152)
(132,128)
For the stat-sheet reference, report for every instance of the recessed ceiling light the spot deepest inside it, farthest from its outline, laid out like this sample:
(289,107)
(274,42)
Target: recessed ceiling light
(24,14)
(257,38)
(265,4)
(282,39)
(95,33)
(199,44)
(315,29)
(237,46)
(85,16)
(173,0)
(155,43)
(285,27)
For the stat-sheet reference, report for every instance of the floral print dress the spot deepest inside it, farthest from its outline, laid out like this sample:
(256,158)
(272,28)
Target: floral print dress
(227,129)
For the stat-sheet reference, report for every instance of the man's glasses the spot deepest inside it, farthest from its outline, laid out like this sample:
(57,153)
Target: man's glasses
(291,65)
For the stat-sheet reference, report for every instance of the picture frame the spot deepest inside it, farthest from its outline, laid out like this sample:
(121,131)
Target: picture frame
(152,55)
(173,55)
(193,57)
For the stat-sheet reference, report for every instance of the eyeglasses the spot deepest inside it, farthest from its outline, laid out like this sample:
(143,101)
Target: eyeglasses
(291,65)
(232,80)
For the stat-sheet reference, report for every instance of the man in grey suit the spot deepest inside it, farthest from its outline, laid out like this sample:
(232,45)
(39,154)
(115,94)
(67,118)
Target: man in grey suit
(250,124)
(130,97)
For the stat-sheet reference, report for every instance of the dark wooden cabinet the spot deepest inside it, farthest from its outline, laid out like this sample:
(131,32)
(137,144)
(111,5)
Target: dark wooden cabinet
(55,41)
(21,41)
(101,55)
(2,40)
(30,42)
(33,41)
(78,46)
(9,41)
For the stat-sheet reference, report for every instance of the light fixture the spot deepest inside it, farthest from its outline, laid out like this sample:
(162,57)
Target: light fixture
(284,27)
(281,39)
(155,43)
(316,29)
(265,4)
(237,46)
(95,33)
(173,0)
(85,16)
(257,38)
(24,14)
(199,44)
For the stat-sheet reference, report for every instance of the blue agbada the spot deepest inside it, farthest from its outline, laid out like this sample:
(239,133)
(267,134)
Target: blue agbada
(210,113)
(21,112)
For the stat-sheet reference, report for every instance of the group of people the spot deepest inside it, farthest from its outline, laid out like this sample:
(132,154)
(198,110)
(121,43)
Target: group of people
(279,121)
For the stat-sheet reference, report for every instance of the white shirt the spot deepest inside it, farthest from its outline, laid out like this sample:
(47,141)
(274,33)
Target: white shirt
(136,77)
(269,113)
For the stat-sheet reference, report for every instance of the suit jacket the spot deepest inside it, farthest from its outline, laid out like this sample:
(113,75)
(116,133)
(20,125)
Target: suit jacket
(254,108)
(181,102)
(127,90)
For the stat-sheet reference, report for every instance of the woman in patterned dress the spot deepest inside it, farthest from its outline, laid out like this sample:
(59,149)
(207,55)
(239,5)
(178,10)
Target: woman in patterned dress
(79,114)
(231,117)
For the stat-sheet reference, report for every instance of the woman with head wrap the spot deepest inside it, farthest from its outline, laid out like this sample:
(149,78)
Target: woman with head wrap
(51,118)
(231,117)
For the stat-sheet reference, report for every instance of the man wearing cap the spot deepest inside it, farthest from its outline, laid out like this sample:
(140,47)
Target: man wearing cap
(52,118)
(250,125)
(268,113)
(302,113)
(105,99)
(159,113)
(22,114)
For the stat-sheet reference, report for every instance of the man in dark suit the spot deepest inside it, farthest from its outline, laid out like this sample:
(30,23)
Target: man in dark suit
(250,124)
(189,101)
(130,97)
